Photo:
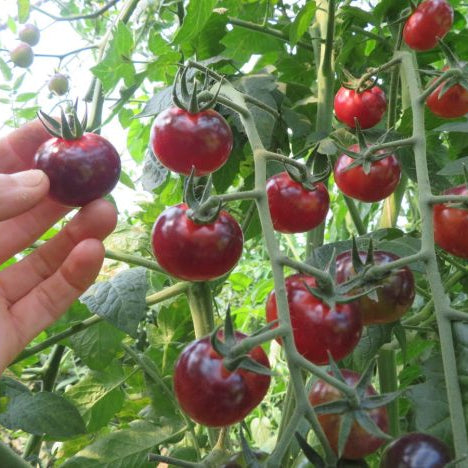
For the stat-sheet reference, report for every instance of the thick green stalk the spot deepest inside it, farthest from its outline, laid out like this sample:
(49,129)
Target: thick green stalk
(325,18)
(201,307)
(9,459)
(388,379)
(33,446)
(441,300)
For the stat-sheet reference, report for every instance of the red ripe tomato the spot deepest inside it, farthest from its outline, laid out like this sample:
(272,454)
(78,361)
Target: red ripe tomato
(394,297)
(79,170)
(367,107)
(416,450)
(431,20)
(293,208)
(316,327)
(451,225)
(181,140)
(212,395)
(196,252)
(378,184)
(360,443)
(452,104)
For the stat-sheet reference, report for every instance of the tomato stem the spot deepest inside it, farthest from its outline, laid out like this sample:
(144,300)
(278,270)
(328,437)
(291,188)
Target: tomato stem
(201,307)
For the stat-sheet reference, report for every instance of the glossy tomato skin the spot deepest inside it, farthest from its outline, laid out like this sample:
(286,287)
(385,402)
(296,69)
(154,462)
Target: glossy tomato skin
(209,393)
(196,252)
(378,184)
(415,450)
(367,107)
(181,140)
(360,443)
(431,20)
(394,297)
(316,327)
(452,104)
(293,208)
(451,225)
(80,170)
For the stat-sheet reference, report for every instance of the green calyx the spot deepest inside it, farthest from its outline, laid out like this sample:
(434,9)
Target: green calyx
(69,127)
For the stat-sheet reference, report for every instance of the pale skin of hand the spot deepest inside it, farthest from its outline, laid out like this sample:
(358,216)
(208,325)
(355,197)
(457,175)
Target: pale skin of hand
(37,290)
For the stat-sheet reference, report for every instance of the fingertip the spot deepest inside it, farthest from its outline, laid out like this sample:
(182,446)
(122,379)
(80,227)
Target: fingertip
(103,212)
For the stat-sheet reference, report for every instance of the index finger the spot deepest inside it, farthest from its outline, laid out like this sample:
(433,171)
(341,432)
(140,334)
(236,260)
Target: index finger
(17,149)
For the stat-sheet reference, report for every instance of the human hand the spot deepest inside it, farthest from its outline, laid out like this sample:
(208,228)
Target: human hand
(38,289)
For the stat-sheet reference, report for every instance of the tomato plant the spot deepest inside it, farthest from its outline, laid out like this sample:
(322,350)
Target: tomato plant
(80,170)
(380,182)
(453,103)
(212,395)
(317,327)
(367,107)
(196,252)
(415,450)
(395,293)
(431,20)
(360,443)
(450,224)
(293,207)
(181,140)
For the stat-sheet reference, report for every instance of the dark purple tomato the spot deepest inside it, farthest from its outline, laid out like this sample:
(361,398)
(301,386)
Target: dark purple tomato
(431,20)
(293,208)
(181,140)
(367,107)
(30,34)
(379,183)
(22,55)
(196,252)
(80,170)
(317,328)
(212,395)
(395,295)
(416,450)
(360,443)
(451,225)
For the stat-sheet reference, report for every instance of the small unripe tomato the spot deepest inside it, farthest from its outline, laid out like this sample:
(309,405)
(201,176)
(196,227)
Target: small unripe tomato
(30,34)
(22,55)
(58,84)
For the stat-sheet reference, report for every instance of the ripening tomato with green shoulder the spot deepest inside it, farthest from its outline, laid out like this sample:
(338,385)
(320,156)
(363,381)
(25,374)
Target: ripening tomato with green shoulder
(213,395)
(360,443)
(450,105)
(394,296)
(317,327)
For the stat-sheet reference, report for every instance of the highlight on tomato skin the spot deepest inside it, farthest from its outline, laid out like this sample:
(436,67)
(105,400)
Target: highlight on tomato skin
(394,297)
(415,450)
(367,107)
(451,225)
(196,252)
(378,184)
(182,141)
(360,443)
(317,328)
(212,395)
(431,21)
(293,207)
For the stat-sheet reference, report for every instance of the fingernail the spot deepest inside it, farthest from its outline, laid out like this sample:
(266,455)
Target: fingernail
(30,178)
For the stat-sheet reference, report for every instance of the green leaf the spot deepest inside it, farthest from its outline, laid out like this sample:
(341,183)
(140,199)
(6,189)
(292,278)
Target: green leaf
(99,396)
(121,301)
(126,448)
(5,69)
(12,388)
(24,8)
(98,345)
(198,13)
(43,413)
(302,22)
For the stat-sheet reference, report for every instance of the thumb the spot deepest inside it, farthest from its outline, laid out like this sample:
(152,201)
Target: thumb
(21,191)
